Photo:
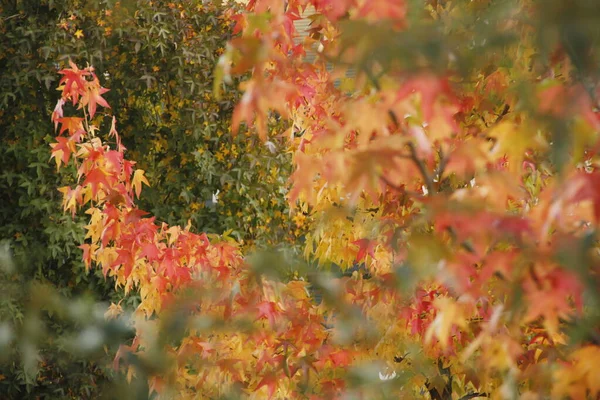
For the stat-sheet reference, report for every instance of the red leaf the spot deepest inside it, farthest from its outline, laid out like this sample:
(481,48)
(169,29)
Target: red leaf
(270,381)
(150,251)
(431,87)
(73,125)
(341,358)
(74,81)
(365,246)
(94,178)
(87,254)
(268,310)
(93,97)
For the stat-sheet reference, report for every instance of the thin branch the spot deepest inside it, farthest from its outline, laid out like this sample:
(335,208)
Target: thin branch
(422,169)
(429,184)
(505,111)
(473,395)
(14,16)
(439,171)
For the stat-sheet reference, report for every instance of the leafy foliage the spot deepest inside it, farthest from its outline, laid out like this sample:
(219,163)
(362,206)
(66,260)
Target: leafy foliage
(159,59)
(457,166)
(453,181)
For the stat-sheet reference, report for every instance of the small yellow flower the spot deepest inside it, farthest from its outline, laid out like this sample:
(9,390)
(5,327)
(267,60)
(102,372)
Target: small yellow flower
(78,34)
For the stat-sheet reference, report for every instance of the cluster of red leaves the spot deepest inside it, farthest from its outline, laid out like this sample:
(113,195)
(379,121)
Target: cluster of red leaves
(287,343)
(483,252)
(391,147)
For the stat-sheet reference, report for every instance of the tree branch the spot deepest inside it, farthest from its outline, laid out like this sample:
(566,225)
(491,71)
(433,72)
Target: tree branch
(422,169)
(469,396)
(413,152)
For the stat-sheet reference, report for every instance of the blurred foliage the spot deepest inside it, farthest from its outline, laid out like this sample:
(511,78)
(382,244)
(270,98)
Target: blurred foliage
(52,344)
(158,59)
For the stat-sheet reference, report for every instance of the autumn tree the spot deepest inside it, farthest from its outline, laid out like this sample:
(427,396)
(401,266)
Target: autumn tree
(158,59)
(452,175)
(457,166)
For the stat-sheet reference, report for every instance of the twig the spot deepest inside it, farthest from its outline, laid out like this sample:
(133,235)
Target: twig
(505,111)
(413,152)
(422,169)
(473,395)
(14,16)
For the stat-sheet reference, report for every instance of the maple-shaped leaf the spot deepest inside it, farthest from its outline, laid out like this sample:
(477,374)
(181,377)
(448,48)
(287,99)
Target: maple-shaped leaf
(266,359)
(95,178)
(261,6)
(270,381)
(513,142)
(125,259)
(138,179)
(260,97)
(74,82)
(585,186)
(88,253)
(71,198)
(333,9)
(580,378)
(114,310)
(550,297)
(333,387)
(134,215)
(268,310)
(298,290)
(240,23)
(92,97)
(114,161)
(365,247)
(150,251)
(431,88)
(449,314)
(304,176)
(73,125)
(469,157)
(62,150)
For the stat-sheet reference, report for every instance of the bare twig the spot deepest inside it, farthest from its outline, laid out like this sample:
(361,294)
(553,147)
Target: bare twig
(422,169)
(469,396)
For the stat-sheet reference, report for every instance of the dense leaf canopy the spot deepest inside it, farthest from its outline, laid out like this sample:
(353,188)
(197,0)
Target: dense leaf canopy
(444,159)
(158,59)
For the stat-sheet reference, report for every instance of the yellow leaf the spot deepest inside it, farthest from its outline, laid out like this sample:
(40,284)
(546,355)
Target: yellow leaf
(512,141)
(450,313)
(138,179)
(581,376)
(113,311)
(297,289)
